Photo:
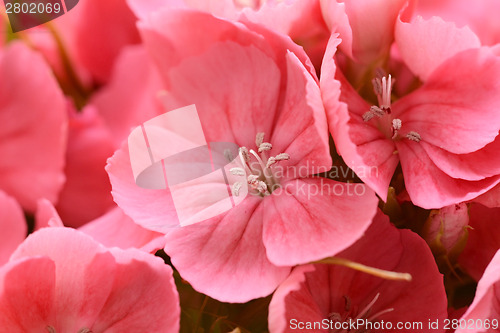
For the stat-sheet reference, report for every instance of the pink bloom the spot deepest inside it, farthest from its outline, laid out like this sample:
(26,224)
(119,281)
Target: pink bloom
(245,80)
(60,280)
(444,133)
(33,131)
(13,226)
(483,242)
(313,293)
(484,312)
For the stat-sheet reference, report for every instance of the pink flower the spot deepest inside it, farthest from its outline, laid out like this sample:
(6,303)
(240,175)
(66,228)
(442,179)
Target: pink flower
(484,312)
(33,131)
(60,280)
(323,293)
(246,80)
(13,226)
(444,134)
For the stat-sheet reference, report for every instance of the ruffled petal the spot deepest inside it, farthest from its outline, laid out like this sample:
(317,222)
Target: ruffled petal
(425,44)
(319,212)
(224,257)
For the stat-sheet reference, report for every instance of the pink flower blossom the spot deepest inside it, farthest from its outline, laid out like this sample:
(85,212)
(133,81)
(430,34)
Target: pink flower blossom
(33,131)
(245,80)
(60,280)
(313,293)
(484,312)
(444,133)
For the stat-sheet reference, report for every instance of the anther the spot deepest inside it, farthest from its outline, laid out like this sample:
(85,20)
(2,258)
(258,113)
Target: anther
(84,330)
(236,188)
(396,126)
(237,171)
(228,155)
(265,146)
(413,136)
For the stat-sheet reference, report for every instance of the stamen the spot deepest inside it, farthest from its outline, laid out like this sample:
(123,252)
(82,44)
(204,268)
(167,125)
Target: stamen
(378,314)
(259,138)
(84,330)
(396,126)
(237,171)
(51,329)
(386,92)
(413,136)
(265,146)
(374,111)
(368,307)
(236,188)
(282,157)
(335,316)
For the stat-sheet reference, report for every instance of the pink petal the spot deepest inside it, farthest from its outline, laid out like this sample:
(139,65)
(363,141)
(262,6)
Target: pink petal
(117,229)
(431,188)
(313,293)
(235,90)
(319,212)
(83,284)
(363,147)
(480,18)
(473,166)
(106,27)
(372,24)
(483,241)
(131,93)
(143,297)
(13,226)
(456,107)
(491,198)
(224,257)
(306,141)
(425,44)
(32,136)
(151,209)
(485,305)
(46,215)
(86,194)
(27,292)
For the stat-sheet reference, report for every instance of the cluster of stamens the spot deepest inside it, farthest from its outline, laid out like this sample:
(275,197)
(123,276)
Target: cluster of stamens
(260,176)
(364,314)
(382,86)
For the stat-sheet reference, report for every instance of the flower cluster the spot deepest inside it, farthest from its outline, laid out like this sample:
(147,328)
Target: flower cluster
(364,184)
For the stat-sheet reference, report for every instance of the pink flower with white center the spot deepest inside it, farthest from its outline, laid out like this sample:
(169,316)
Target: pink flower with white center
(338,295)
(43,288)
(33,130)
(253,88)
(444,133)
(484,312)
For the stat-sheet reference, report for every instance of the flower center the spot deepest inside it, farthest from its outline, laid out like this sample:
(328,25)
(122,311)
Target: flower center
(390,126)
(361,321)
(258,168)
